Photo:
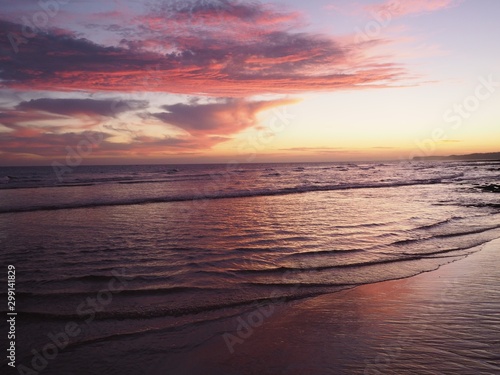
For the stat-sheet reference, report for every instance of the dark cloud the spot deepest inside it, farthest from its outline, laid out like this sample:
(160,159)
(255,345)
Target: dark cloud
(45,144)
(24,118)
(52,146)
(69,107)
(48,56)
(202,12)
(224,117)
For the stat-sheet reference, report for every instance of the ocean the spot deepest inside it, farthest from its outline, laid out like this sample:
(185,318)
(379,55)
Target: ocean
(143,258)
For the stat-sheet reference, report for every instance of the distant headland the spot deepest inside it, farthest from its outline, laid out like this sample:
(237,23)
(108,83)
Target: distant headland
(471,157)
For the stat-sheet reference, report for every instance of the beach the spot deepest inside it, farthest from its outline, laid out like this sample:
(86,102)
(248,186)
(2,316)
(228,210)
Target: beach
(444,321)
(258,269)
(440,322)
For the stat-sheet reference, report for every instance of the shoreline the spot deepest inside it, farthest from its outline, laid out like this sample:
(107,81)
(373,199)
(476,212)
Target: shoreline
(441,321)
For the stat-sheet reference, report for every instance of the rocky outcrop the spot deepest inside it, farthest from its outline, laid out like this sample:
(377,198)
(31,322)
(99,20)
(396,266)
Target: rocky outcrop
(492,188)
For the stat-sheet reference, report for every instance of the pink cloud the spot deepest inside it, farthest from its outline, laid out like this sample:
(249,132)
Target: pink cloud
(205,125)
(400,8)
(223,49)
(225,117)
(226,49)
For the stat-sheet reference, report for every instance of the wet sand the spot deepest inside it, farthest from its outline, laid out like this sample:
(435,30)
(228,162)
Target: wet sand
(441,322)
(445,321)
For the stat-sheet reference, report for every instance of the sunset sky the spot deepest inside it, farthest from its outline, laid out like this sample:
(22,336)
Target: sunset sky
(159,81)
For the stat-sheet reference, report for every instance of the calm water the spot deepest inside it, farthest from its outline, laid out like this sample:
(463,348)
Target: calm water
(200,243)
